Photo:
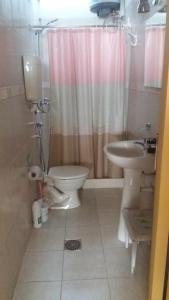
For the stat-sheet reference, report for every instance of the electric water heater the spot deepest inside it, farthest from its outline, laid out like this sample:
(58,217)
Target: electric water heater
(33,78)
(103,8)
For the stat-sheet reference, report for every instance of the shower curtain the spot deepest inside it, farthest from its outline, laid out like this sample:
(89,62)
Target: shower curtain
(87,75)
(154,56)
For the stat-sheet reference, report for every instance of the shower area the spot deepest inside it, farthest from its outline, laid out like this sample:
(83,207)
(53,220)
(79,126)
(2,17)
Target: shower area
(88,89)
(85,77)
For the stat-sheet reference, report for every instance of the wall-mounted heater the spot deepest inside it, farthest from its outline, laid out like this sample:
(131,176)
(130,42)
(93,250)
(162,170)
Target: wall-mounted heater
(104,8)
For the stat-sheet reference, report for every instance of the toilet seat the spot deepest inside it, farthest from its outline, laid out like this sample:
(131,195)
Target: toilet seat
(68,172)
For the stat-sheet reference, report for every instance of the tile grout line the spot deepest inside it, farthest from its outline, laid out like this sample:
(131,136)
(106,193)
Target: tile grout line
(99,225)
(108,279)
(61,288)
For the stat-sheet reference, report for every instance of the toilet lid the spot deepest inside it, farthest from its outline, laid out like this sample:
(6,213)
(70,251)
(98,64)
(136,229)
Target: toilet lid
(68,172)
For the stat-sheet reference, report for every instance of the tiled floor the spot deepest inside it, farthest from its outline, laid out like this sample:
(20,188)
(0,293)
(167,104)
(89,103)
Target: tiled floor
(100,271)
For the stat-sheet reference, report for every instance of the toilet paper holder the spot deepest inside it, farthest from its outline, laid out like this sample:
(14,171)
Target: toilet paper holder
(35,173)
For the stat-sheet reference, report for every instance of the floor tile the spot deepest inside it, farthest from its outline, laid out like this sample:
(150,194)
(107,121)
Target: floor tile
(82,217)
(46,239)
(85,264)
(38,291)
(108,203)
(142,262)
(85,290)
(87,194)
(85,272)
(109,193)
(56,219)
(127,289)
(87,203)
(41,266)
(109,235)
(89,235)
(109,217)
(118,262)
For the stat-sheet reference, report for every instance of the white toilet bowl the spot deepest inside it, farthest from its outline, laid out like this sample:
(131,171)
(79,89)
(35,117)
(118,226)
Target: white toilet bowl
(69,179)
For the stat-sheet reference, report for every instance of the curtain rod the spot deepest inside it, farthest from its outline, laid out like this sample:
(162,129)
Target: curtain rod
(82,26)
(155,25)
(69,27)
(39,29)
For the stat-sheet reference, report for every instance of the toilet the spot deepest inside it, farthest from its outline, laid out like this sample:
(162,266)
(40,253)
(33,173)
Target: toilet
(67,180)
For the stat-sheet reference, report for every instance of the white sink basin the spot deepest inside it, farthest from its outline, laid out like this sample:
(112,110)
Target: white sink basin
(130,155)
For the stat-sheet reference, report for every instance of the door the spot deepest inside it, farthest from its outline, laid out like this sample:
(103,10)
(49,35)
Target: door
(161,208)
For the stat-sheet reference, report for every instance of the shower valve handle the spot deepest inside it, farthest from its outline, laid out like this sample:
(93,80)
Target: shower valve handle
(35,136)
(31,123)
(36,124)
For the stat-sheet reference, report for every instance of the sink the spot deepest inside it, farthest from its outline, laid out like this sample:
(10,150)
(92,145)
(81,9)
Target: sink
(130,155)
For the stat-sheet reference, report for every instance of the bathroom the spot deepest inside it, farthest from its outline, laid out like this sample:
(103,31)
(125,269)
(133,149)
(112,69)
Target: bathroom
(34,263)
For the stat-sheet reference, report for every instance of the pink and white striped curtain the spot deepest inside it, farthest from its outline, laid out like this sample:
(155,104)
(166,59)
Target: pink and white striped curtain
(154,56)
(87,72)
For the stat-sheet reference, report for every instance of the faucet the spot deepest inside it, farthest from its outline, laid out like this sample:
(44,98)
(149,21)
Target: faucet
(149,142)
(143,144)
(146,130)
(148,145)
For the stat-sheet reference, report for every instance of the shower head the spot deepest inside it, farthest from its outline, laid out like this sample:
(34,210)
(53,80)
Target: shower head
(51,22)
(40,28)
(143,7)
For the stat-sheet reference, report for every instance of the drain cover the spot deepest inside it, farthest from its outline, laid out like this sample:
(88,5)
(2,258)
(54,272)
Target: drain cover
(73,245)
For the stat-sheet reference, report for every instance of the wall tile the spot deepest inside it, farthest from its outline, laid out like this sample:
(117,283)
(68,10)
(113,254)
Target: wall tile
(144,103)
(17,192)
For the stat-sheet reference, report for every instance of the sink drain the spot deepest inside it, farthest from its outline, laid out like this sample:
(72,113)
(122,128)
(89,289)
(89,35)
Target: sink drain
(73,245)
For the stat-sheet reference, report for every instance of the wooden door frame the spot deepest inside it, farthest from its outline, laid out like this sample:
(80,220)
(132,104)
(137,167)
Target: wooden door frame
(161,205)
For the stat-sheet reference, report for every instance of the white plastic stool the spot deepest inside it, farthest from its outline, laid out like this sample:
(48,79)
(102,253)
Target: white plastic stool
(138,229)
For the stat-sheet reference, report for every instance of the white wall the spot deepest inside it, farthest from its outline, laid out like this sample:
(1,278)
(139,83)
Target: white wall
(144,103)
(72,12)
(68,12)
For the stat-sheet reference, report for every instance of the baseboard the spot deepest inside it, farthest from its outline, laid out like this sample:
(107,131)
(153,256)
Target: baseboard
(104,183)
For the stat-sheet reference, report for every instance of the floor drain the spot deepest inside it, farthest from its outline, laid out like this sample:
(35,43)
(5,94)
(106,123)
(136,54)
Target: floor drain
(73,245)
